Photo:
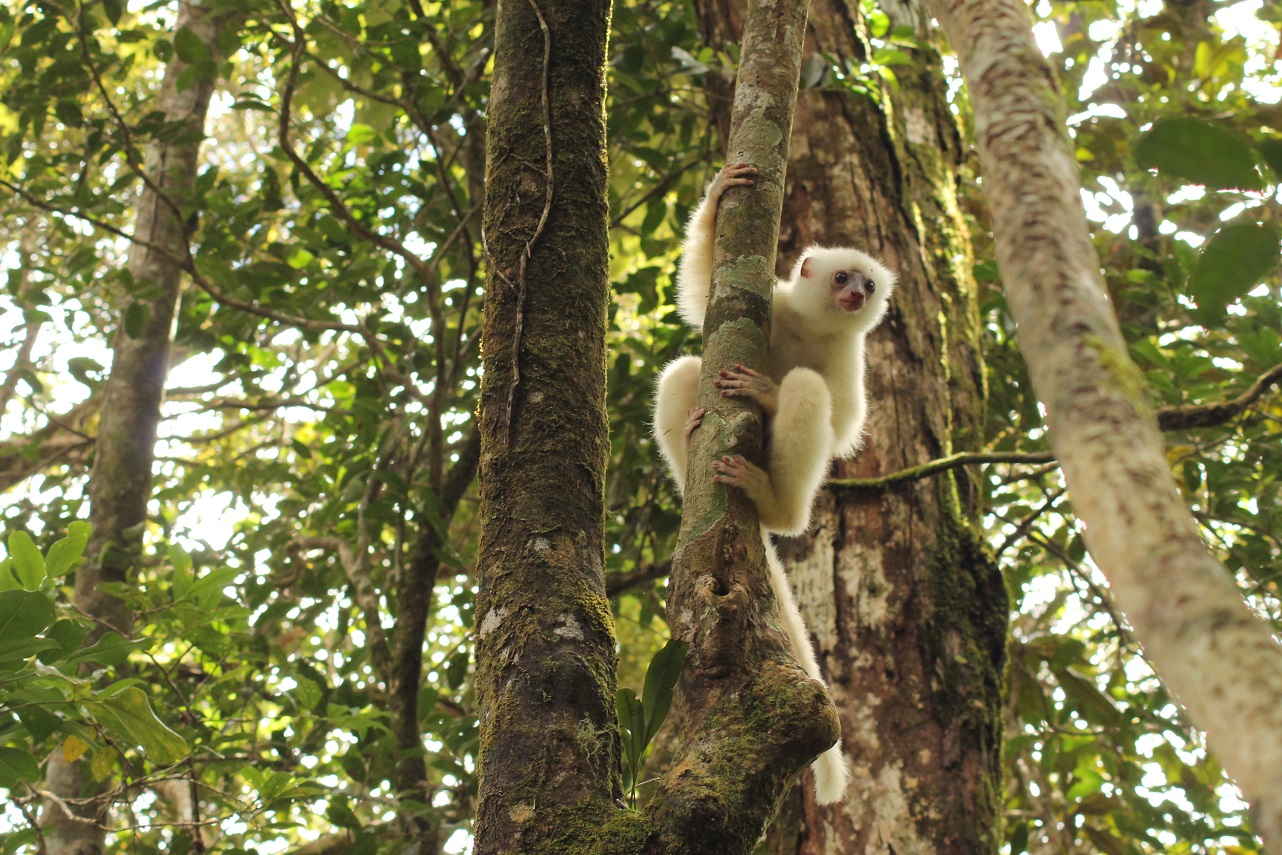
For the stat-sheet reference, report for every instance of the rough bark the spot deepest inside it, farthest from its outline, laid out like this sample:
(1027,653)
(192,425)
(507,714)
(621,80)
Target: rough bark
(1210,649)
(120,482)
(908,610)
(545,643)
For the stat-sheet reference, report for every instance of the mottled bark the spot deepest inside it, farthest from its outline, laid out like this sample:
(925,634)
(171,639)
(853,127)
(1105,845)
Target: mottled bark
(120,483)
(1210,649)
(545,638)
(908,611)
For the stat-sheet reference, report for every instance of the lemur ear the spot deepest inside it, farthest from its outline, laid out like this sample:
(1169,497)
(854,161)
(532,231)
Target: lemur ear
(805,269)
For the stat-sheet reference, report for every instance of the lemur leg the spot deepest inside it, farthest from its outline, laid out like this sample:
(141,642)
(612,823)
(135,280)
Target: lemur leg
(694,273)
(800,445)
(675,414)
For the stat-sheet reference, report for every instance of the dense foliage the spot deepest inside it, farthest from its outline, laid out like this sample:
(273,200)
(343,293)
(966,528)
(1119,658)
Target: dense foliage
(318,431)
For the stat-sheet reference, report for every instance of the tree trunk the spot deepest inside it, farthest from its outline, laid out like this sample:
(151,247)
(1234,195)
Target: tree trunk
(1210,649)
(908,608)
(120,483)
(545,680)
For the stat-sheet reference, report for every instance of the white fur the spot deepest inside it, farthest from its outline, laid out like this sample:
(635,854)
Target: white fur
(817,361)
(830,770)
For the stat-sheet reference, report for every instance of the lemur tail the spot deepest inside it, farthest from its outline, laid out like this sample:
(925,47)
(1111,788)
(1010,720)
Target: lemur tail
(831,773)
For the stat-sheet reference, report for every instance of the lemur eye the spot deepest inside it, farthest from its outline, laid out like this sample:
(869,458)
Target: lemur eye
(841,277)
(870,286)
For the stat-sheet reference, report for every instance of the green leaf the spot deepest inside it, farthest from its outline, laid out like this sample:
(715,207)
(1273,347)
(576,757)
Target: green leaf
(1199,153)
(359,134)
(308,694)
(136,318)
(111,649)
(8,580)
(15,652)
(38,721)
(23,615)
(113,9)
(660,678)
(68,635)
(67,552)
(1019,839)
(128,715)
(17,767)
(207,591)
(300,258)
(79,530)
(191,49)
(28,563)
(456,669)
(1231,263)
(632,722)
(1272,153)
(182,577)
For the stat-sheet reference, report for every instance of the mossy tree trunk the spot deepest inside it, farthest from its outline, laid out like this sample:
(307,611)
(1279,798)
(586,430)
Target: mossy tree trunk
(1214,653)
(120,483)
(908,610)
(545,638)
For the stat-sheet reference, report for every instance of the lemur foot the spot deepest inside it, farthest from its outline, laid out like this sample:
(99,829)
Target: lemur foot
(693,420)
(735,471)
(746,383)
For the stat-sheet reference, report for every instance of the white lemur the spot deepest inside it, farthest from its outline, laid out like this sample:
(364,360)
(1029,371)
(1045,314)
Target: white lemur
(811,395)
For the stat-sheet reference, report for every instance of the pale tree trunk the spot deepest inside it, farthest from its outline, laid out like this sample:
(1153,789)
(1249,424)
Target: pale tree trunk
(908,610)
(1209,648)
(120,483)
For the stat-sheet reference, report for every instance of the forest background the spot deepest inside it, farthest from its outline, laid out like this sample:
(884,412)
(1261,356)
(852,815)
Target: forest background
(312,519)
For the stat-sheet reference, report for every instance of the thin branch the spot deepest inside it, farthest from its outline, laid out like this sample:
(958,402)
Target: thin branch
(935,467)
(127,142)
(1189,416)
(1183,417)
(617,583)
(337,205)
(1027,523)
(63,805)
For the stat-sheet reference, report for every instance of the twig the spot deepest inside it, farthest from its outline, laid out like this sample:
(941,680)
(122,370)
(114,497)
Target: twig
(538,230)
(66,808)
(337,205)
(1027,523)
